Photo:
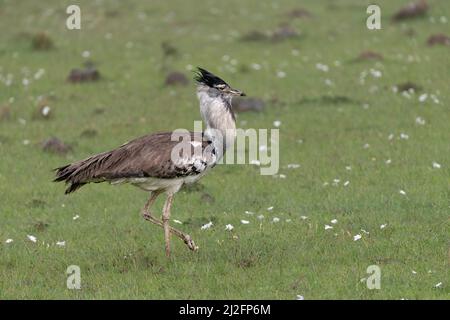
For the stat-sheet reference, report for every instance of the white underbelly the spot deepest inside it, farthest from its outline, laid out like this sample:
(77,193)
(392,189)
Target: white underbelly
(154,184)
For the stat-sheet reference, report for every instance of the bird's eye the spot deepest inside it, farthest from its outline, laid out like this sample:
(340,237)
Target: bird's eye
(220,86)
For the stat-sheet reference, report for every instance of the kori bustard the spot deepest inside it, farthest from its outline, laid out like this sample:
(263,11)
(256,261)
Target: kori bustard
(162,162)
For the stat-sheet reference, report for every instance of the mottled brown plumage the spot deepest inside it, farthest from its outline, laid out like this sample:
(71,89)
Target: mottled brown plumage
(147,156)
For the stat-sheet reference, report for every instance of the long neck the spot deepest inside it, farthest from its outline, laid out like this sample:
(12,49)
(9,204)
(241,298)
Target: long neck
(218,116)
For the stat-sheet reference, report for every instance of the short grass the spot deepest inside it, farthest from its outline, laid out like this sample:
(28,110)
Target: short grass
(122,256)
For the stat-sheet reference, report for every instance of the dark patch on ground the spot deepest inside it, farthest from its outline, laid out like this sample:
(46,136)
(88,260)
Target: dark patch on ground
(54,145)
(247,104)
(370,55)
(299,13)
(88,133)
(254,36)
(5,113)
(168,49)
(411,10)
(98,111)
(207,198)
(284,32)
(438,39)
(41,41)
(36,203)
(176,78)
(328,100)
(408,86)
(88,74)
(40,226)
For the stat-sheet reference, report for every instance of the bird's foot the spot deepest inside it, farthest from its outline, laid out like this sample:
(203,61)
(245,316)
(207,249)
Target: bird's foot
(190,243)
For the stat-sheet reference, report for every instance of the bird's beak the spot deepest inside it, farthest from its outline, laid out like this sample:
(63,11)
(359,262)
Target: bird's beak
(236,92)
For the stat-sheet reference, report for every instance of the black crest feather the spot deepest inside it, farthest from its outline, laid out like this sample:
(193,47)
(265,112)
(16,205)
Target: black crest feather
(207,78)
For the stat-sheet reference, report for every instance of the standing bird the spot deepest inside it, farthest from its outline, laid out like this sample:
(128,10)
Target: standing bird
(159,163)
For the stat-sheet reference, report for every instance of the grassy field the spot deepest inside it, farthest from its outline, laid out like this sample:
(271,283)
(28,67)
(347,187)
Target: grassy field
(340,119)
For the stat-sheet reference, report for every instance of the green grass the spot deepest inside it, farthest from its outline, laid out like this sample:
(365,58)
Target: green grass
(122,256)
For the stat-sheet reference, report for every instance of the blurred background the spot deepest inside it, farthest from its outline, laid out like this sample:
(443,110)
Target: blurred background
(363,114)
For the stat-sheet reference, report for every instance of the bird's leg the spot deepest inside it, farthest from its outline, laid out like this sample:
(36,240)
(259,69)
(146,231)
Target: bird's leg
(166,220)
(146,213)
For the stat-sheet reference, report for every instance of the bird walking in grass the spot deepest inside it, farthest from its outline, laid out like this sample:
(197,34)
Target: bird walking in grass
(161,163)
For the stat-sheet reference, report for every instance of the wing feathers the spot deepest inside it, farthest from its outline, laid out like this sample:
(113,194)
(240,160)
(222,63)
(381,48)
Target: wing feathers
(148,156)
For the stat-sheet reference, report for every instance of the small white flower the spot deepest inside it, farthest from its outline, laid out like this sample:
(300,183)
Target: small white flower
(322,67)
(61,243)
(281,74)
(328,227)
(39,74)
(436,165)
(388,161)
(269,208)
(334,221)
(346,183)
(31,238)
(282,176)
(391,136)
(277,123)
(275,220)
(229,227)
(26,142)
(376,73)
(366,146)
(303,217)
(9,240)
(383,226)
(76,217)
(85,54)
(404,136)
(420,121)
(438,285)
(25,82)
(413,272)
(249,213)
(357,237)
(256,66)
(45,111)
(402,192)
(207,226)
(300,297)
(177,221)
(423,97)
(260,217)
(366,232)
(245,221)
(348,168)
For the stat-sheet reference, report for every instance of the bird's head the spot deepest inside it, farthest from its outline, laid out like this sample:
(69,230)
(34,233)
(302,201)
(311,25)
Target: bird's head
(205,78)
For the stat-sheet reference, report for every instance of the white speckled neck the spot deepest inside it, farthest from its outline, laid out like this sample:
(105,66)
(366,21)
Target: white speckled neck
(218,116)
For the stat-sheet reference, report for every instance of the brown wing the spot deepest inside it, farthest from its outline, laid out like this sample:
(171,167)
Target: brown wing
(147,156)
